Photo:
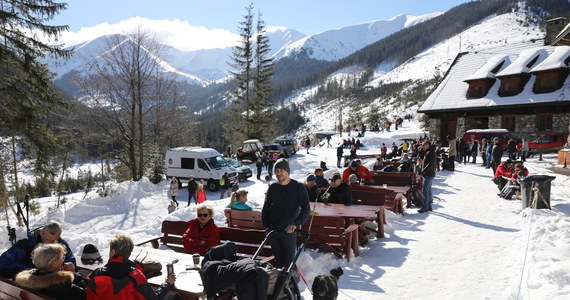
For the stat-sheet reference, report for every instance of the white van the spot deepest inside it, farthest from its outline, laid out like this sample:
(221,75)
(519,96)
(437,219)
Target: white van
(200,163)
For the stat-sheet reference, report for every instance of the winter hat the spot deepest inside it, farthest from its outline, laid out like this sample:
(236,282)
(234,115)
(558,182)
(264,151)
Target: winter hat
(283,164)
(311,177)
(335,176)
(353,178)
(353,164)
(90,254)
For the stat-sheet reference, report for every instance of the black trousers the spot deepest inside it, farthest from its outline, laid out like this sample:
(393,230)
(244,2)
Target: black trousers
(283,246)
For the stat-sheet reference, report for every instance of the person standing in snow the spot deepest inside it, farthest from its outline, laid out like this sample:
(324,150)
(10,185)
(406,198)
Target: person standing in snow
(496,154)
(428,172)
(339,154)
(174,189)
(452,141)
(225,186)
(286,208)
(192,187)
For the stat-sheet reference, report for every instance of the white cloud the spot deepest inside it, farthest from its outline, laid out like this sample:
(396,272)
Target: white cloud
(177,33)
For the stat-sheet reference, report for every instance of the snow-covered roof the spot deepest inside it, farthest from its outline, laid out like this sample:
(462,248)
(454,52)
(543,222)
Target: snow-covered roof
(521,64)
(555,60)
(486,70)
(451,94)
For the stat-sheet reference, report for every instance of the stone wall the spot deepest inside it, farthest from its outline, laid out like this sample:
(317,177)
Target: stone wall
(460,129)
(434,127)
(525,127)
(494,122)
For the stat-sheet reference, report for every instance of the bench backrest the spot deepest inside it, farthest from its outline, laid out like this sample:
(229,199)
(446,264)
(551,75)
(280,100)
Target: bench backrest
(393,178)
(244,218)
(327,229)
(362,196)
(246,240)
(172,234)
(10,291)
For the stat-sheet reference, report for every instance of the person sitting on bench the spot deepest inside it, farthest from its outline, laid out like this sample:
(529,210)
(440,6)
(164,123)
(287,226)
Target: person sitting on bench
(19,257)
(49,277)
(202,232)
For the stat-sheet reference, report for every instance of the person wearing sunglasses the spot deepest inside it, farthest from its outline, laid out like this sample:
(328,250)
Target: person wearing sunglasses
(202,232)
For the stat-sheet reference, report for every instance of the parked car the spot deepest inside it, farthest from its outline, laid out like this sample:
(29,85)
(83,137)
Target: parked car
(249,151)
(289,146)
(201,163)
(274,148)
(479,134)
(244,172)
(551,141)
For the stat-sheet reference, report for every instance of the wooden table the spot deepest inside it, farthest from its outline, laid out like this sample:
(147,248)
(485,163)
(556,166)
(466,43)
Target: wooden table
(188,281)
(352,213)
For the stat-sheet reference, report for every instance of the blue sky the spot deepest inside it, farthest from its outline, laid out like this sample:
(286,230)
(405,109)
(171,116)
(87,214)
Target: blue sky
(85,17)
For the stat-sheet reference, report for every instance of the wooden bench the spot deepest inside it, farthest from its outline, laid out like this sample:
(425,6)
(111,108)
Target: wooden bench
(247,241)
(248,219)
(378,196)
(334,233)
(410,179)
(10,291)
(331,232)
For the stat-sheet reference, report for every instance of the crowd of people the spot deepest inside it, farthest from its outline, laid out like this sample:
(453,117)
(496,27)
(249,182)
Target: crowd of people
(45,263)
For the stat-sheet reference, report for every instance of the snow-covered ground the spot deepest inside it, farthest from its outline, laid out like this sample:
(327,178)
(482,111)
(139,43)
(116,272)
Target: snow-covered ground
(474,245)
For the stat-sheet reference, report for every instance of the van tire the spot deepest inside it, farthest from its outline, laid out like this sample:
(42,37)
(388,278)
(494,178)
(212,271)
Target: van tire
(213,186)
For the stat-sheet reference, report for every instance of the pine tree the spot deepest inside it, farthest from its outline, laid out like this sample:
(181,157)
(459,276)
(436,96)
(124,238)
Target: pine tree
(263,114)
(237,128)
(249,111)
(26,94)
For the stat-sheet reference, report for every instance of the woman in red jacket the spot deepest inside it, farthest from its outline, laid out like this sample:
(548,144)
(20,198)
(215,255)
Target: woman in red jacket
(202,233)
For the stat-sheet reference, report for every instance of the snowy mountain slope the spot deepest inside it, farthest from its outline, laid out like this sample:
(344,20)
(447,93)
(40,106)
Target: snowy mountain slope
(212,64)
(336,44)
(200,66)
(491,32)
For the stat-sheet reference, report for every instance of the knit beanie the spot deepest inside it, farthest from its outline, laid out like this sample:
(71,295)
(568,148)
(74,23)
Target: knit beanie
(283,164)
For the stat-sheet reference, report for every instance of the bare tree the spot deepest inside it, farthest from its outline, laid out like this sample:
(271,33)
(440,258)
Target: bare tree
(127,84)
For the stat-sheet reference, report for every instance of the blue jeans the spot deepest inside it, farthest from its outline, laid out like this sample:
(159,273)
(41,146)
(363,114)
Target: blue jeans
(428,195)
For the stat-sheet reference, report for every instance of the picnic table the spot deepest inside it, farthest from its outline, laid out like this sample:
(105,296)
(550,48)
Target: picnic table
(188,281)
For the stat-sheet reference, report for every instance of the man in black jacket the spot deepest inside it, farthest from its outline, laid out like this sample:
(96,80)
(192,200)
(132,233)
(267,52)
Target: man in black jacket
(496,154)
(340,191)
(428,172)
(286,207)
(339,154)
(192,187)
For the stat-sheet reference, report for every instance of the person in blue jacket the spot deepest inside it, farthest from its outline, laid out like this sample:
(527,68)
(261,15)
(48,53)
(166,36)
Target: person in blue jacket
(19,256)
(238,200)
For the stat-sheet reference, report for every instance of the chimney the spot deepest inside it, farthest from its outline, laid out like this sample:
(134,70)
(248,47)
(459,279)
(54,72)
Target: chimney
(553,28)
